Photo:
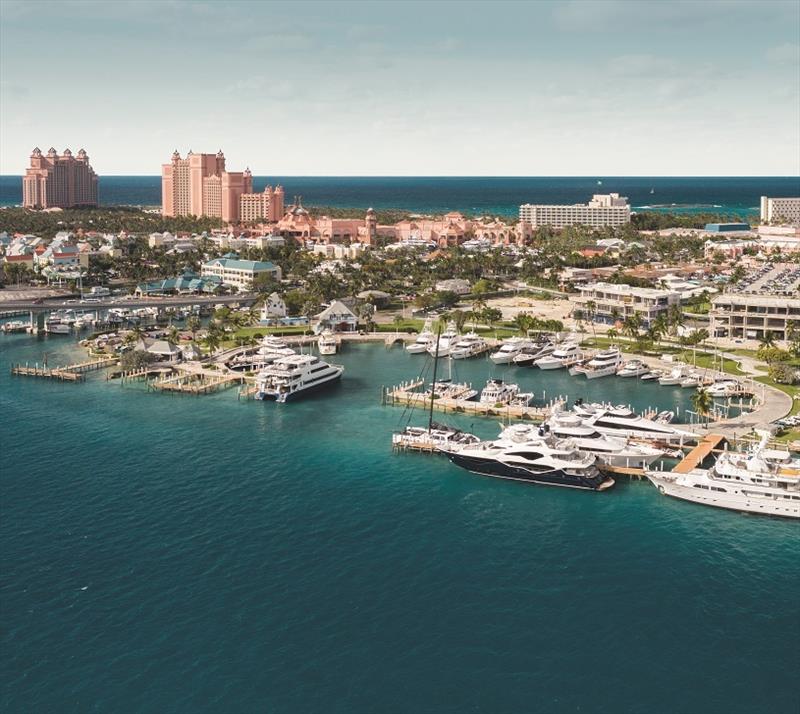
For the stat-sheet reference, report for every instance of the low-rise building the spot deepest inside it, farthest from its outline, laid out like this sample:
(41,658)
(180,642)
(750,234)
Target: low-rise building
(610,302)
(749,316)
(273,308)
(337,317)
(239,273)
(454,285)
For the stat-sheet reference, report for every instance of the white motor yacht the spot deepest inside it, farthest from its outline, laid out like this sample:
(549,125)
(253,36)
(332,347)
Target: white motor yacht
(675,376)
(569,428)
(691,380)
(564,355)
(633,368)
(424,340)
(445,342)
(438,437)
(724,388)
(291,377)
(533,352)
(651,376)
(603,364)
(536,462)
(624,422)
(327,344)
(271,349)
(468,345)
(761,481)
(497,392)
(509,349)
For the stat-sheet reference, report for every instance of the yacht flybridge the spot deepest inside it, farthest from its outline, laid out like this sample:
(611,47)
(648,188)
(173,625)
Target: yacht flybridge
(565,355)
(291,377)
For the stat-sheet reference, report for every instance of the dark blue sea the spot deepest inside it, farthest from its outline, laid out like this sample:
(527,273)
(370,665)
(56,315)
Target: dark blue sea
(477,195)
(201,554)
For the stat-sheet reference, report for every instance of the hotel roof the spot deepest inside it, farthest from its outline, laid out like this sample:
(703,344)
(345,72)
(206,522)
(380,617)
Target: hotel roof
(236,264)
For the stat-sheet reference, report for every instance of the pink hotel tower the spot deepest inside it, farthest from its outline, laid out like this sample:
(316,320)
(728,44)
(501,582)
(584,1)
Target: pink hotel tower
(54,181)
(199,185)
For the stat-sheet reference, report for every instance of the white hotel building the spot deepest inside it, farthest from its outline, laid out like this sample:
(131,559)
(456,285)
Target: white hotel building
(780,210)
(612,302)
(603,210)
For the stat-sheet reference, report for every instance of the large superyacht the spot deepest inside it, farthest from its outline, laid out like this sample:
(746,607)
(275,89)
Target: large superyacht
(761,481)
(291,377)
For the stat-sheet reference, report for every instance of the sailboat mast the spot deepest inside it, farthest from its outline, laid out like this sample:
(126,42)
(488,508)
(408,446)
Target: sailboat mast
(433,386)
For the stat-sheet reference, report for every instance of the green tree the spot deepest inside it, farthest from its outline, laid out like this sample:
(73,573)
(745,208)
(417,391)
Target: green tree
(193,325)
(768,340)
(136,359)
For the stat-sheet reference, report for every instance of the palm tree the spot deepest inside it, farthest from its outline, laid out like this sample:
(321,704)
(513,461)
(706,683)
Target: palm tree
(674,318)
(768,340)
(193,325)
(213,338)
(702,402)
(631,325)
(174,335)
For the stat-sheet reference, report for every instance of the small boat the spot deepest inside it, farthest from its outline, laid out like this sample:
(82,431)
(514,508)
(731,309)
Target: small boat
(424,340)
(724,388)
(534,351)
(651,376)
(441,347)
(603,364)
(562,356)
(509,350)
(691,380)
(15,326)
(327,343)
(633,368)
(675,376)
(468,345)
(437,437)
(497,392)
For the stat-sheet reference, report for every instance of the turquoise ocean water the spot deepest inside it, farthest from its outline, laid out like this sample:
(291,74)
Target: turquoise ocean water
(200,554)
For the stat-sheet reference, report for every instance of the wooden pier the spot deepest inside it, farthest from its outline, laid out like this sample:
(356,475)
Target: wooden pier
(68,373)
(195,383)
(699,453)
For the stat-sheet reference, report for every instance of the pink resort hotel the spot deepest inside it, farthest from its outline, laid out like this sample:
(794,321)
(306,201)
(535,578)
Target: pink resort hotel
(53,181)
(199,185)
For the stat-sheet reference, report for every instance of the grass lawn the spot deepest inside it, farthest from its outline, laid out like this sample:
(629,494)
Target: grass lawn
(789,389)
(708,361)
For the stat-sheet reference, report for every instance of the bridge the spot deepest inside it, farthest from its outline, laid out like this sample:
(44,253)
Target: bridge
(59,303)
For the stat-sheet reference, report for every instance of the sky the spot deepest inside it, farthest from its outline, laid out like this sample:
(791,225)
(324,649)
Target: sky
(605,87)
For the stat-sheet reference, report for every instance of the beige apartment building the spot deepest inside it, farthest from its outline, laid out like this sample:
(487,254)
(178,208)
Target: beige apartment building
(613,302)
(748,316)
